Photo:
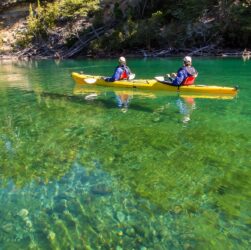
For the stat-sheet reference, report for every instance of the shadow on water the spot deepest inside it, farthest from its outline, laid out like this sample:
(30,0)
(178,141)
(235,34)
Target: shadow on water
(91,99)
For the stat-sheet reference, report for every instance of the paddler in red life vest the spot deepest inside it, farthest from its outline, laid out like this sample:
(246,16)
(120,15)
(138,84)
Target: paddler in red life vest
(186,75)
(122,72)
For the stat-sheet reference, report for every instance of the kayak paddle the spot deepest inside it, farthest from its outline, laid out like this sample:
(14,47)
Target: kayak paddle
(93,80)
(90,80)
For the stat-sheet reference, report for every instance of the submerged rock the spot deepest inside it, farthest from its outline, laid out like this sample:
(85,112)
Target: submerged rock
(28,223)
(177,209)
(101,189)
(7,228)
(130,232)
(23,213)
(119,248)
(51,235)
(121,216)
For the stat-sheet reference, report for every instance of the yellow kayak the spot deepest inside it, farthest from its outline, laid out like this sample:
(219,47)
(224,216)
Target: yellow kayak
(152,84)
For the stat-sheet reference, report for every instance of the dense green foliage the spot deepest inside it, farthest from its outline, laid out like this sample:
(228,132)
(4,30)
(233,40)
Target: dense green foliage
(145,24)
(49,15)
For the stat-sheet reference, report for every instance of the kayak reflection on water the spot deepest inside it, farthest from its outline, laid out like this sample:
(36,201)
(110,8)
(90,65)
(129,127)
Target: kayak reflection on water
(185,103)
(122,97)
(186,106)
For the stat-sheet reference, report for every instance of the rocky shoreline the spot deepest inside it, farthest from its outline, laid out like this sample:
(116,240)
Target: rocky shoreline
(158,53)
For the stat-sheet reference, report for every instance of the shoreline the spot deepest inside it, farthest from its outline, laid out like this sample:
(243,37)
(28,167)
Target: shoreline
(161,53)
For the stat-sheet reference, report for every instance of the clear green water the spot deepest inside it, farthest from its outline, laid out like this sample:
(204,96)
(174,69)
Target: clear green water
(79,172)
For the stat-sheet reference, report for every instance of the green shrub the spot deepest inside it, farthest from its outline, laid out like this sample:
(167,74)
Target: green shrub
(71,8)
(47,16)
(147,32)
(42,18)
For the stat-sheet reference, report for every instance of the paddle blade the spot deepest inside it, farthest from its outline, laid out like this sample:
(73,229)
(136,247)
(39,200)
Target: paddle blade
(90,97)
(159,78)
(90,80)
(131,76)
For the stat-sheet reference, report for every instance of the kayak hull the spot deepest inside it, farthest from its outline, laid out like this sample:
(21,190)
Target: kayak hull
(151,85)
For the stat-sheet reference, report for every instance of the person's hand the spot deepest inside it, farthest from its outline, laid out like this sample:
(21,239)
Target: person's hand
(104,78)
(173,75)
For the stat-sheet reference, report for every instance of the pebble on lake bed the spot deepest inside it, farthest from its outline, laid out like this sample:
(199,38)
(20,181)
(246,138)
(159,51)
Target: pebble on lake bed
(23,213)
(120,233)
(121,216)
(177,209)
(28,223)
(51,235)
(7,228)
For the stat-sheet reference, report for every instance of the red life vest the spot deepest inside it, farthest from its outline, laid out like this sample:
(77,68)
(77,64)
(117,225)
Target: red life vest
(124,75)
(188,81)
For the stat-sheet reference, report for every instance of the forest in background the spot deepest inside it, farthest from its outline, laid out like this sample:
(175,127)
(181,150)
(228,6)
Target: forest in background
(70,28)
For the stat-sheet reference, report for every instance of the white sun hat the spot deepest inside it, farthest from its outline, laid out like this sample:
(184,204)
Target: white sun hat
(187,59)
(122,59)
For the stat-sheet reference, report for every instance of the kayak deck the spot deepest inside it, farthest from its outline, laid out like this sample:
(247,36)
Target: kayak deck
(151,85)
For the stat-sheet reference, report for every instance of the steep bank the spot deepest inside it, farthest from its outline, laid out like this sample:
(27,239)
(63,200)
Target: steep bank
(68,28)
(12,23)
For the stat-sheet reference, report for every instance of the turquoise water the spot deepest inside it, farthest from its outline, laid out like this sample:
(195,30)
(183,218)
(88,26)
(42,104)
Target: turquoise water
(100,168)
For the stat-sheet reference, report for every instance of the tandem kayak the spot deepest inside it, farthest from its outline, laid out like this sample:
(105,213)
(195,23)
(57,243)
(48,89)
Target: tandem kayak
(152,84)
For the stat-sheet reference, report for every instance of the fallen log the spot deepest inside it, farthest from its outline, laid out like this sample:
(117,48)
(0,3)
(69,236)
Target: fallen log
(84,41)
(201,50)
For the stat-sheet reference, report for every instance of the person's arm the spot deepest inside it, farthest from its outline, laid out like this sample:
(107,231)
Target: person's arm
(115,76)
(179,78)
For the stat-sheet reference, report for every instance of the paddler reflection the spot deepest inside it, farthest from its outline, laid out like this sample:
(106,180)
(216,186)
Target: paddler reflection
(122,97)
(123,100)
(186,106)
(185,102)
